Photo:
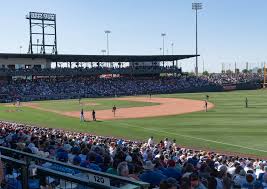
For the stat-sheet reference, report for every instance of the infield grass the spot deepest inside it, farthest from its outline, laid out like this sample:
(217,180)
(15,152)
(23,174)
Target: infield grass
(229,127)
(89,104)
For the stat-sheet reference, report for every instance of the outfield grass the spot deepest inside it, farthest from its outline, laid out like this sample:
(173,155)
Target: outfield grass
(228,127)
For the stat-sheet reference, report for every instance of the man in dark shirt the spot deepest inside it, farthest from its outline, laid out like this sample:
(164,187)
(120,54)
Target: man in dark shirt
(93,115)
(114,110)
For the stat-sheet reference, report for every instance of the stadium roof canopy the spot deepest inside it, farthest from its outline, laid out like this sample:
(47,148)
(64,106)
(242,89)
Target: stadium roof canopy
(97,58)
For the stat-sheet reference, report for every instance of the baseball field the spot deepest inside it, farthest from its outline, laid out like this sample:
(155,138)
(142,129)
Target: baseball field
(227,126)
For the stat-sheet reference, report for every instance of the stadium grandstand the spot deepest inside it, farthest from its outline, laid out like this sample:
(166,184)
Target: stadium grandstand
(28,77)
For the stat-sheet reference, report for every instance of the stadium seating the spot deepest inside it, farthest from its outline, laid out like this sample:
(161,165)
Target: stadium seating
(82,87)
(64,159)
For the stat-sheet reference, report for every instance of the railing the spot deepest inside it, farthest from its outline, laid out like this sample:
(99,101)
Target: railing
(85,179)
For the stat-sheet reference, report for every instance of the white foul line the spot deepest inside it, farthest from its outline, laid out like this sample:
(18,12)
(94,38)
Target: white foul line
(207,140)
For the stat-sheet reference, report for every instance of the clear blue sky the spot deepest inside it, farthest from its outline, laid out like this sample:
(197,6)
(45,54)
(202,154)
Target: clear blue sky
(229,30)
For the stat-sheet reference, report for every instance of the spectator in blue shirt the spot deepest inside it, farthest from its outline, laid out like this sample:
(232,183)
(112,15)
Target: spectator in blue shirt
(151,176)
(172,171)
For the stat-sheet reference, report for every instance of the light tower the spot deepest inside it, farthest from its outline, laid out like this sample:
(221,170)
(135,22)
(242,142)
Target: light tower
(196,7)
(103,51)
(107,32)
(163,36)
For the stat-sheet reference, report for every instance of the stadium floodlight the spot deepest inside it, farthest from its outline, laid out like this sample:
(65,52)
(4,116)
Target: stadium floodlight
(103,51)
(20,47)
(163,36)
(196,7)
(107,32)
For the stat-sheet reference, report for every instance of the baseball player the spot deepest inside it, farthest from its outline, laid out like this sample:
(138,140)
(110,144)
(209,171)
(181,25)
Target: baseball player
(114,110)
(82,115)
(93,115)
(206,105)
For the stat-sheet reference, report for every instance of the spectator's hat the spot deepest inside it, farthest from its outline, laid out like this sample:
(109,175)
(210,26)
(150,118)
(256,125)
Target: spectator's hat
(175,158)
(223,168)
(157,156)
(34,150)
(67,147)
(31,145)
(149,165)
(128,158)
(242,172)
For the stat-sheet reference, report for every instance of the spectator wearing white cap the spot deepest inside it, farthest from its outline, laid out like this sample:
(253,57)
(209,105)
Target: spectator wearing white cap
(167,143)
(150,142)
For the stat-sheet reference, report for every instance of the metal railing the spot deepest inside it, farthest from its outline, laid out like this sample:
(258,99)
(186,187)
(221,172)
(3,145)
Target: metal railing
(85,179)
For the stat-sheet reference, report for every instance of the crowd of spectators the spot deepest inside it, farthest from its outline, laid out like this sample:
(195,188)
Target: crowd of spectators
(162,164)
(82,87)
(41,89)
(233,78)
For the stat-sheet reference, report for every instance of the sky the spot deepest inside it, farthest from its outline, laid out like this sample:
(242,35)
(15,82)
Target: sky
(229,30)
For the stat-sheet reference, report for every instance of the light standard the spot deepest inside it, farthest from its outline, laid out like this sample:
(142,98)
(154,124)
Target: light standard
(163,36)
(103,51)
(160,50)
(37,45)
(20,47)
(107,32)
(196,7)
(172,47)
